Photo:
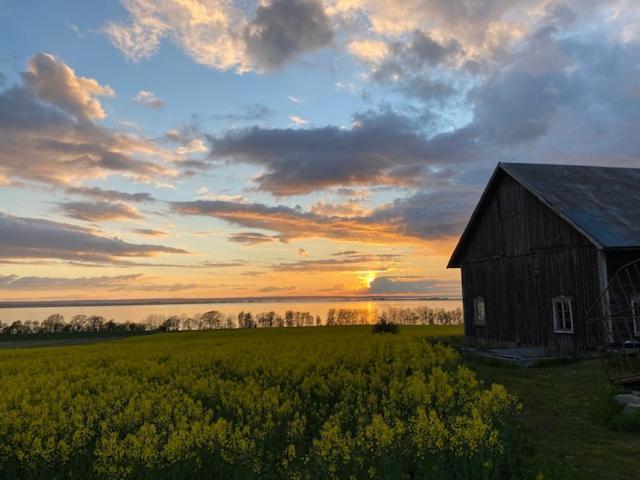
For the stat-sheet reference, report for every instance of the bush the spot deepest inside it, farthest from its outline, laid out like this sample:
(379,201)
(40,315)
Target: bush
(385,327)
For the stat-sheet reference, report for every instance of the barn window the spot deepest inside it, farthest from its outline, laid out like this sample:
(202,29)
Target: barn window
(635,314)
(562,315)
(479,315)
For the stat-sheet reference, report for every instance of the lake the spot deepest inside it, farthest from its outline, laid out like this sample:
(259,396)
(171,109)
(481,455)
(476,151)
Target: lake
(139,313)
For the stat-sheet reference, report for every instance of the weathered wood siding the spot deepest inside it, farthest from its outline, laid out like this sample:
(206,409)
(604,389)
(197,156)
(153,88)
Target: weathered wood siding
(519,256)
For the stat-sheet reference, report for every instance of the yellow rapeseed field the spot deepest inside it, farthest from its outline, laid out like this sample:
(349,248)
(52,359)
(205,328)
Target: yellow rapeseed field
(305,403)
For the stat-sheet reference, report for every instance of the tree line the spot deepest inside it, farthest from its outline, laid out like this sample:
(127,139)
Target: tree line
(214,320)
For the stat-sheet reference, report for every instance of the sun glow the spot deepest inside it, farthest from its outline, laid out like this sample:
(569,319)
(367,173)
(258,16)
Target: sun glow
(367,278)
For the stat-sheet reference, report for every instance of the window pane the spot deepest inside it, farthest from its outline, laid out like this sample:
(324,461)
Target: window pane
(562,315)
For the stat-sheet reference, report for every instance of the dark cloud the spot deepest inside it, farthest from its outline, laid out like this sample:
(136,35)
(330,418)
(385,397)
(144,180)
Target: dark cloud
(568,99)
(284,29)
(428,215)
(31,238)
(99,211)
(395,285)
(251,238)
(110,195)
(381,148)
(412,67)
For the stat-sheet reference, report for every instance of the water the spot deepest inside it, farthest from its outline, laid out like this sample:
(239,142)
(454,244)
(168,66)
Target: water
(139,313)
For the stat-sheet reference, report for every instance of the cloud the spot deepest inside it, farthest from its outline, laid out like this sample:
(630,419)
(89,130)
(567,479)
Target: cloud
(134,282)
(249,113)
(110,195)
(99,211)
(425,216)
(149,99)
(209,32)
(219,34)
(293,99)
(396,285)
(349,208)
(296,120)
(235,263)
(346,263)
(32,238)
(482,26)
(381,148)
(284,29)
(47,133)
(413,66)
(372,51)
(56,83)
(561,97)
(15,282)
(277,289)
(149,232)
(251,238)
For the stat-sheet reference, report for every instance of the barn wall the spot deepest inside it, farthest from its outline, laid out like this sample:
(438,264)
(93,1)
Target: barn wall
(518,257)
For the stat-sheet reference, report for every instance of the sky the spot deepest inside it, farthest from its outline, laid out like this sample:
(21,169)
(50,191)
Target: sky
(210,148)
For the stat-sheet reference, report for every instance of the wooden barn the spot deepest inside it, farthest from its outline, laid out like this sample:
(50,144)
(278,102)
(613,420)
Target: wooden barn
(541,253)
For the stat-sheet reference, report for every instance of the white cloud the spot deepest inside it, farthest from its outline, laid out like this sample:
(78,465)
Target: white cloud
(296,120)
(149,99)
(208,31)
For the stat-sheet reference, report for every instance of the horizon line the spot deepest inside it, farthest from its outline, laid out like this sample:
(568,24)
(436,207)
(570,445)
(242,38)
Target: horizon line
(212,300)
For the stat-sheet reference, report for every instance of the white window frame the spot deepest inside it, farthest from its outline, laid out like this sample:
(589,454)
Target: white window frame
(479,319)
(635,315)
(566,307)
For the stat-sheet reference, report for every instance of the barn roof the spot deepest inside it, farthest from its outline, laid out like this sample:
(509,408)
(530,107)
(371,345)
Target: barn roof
(602,203)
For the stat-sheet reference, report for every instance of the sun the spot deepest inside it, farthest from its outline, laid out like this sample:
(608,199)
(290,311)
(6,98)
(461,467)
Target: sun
(367,278)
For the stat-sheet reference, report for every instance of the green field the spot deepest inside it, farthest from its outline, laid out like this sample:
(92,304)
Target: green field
(300,403)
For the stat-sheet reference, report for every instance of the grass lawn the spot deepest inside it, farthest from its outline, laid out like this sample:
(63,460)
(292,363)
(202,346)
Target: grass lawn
(560,413)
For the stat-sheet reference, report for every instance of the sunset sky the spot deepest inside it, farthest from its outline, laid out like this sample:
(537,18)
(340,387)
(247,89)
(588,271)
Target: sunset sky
(185,148)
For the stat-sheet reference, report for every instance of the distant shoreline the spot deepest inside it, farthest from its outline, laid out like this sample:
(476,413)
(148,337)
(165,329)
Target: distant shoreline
(191,301)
